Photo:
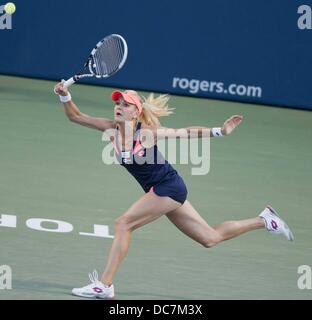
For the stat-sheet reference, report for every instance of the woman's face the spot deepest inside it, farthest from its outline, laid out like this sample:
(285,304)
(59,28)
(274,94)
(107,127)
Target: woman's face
(124,111)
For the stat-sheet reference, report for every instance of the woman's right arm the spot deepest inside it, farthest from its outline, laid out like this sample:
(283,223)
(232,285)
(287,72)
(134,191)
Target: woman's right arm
(75,115)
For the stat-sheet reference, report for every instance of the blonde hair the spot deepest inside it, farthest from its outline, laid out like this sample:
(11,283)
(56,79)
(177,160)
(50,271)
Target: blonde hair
(154,108)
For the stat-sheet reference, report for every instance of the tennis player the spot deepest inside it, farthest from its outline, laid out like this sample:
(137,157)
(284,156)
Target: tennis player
(165,191)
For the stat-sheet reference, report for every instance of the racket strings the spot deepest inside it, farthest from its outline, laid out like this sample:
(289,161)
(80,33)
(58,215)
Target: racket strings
(108,56)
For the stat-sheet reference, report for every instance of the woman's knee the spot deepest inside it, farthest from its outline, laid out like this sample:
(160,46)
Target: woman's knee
(122,225)
(212,241)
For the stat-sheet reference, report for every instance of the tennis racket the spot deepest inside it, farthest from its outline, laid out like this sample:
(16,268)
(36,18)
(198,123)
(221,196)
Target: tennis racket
(109,56)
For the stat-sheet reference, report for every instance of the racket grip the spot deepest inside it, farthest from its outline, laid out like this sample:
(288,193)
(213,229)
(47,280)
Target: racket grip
(69,82)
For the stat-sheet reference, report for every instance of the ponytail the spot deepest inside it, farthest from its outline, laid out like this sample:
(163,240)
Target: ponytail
(154,108)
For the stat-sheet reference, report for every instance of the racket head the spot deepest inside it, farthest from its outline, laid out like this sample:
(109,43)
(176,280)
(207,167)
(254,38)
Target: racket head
(108,56)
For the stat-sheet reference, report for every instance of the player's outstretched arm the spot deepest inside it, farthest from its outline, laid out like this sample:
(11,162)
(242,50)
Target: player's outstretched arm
(198,131)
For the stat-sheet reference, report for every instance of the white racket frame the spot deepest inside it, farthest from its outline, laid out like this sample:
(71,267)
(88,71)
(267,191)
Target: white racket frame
(89,63)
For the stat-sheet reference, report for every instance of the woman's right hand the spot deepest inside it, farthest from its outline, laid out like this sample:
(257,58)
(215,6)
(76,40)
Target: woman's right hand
(59,89)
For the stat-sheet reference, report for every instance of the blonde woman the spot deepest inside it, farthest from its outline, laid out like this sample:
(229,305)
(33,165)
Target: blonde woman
(165,191)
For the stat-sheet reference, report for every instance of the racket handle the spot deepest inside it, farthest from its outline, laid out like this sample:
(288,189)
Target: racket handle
(69,82)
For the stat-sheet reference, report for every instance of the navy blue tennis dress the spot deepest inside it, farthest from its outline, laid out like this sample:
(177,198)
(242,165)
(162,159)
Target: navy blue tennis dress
(151,170)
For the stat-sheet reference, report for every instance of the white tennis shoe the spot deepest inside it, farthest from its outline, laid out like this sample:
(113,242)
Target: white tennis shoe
(95,290)
(274,224)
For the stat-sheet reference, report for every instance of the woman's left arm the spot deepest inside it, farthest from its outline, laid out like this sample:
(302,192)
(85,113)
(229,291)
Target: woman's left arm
(198,132)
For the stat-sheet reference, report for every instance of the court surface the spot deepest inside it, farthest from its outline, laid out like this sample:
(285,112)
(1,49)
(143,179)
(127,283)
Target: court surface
(52,169)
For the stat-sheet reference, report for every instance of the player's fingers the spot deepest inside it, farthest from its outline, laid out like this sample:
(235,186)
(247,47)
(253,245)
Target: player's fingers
(237,117)
(59,88)
(56,89)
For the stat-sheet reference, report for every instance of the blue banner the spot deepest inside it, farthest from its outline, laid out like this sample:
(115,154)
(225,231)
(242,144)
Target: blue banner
(249,51)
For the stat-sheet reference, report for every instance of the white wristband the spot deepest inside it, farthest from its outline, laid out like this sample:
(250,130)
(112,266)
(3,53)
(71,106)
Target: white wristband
(216,132)
(65,98)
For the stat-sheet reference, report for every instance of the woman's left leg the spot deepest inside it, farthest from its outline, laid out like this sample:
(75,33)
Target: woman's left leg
(189,221)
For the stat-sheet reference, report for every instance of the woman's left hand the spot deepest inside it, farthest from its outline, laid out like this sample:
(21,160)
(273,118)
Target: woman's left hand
(230,124)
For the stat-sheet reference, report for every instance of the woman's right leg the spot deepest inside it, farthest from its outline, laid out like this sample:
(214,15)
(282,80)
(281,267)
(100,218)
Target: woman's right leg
(148,208)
